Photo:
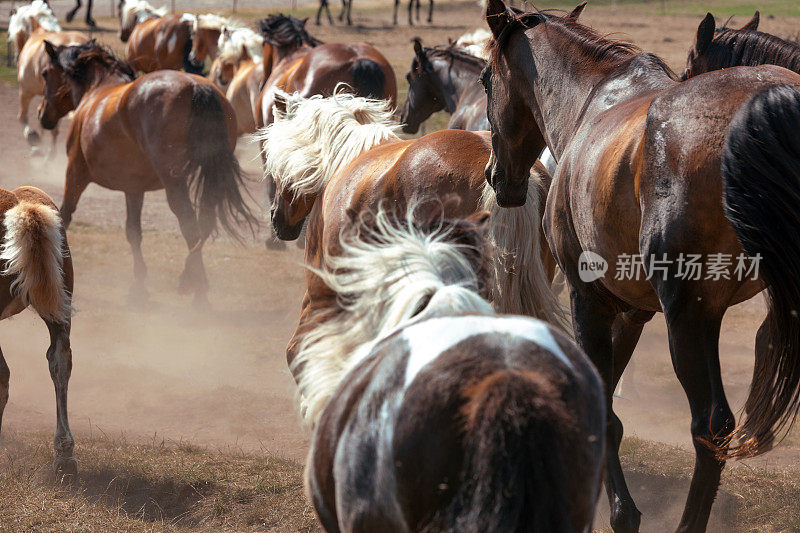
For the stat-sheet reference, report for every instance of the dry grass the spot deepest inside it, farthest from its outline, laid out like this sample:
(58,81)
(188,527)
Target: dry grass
(160,486)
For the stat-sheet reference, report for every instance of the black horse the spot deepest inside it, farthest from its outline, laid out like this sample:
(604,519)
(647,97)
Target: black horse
(72,12)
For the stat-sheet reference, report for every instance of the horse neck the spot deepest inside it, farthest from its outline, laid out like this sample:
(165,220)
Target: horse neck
(104,77)
(455,77)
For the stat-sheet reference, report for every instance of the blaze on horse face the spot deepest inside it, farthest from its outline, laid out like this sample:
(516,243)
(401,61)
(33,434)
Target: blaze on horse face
(424,98)
(57,100)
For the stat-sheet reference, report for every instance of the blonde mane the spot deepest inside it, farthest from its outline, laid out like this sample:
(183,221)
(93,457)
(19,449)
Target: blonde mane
(474,43)
(311,138)
(22,20)
(233,42)
(214,22)
(142,10)
(387,275)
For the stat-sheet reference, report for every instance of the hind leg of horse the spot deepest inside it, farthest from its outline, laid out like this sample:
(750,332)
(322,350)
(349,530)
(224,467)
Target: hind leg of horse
(626,331)
(430,11)
(5,375)
(133,231)
(73,11)
(349,12)
(89,20)
(59,357)
(193,278)
(605,337)
(694,346)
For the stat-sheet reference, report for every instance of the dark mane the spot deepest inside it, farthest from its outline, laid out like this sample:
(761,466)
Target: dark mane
(76,60)
(453,52)
(284,31)
(599,48)
(732,48)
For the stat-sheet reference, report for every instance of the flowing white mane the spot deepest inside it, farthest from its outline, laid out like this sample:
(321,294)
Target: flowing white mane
(474,43)
(234,41)
(388,274)
(313,137)
(214,21)
(22,20)
(141,10)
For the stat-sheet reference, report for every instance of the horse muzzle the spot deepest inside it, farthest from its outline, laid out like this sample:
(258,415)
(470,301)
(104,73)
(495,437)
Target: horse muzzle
(507,193)
(283,229)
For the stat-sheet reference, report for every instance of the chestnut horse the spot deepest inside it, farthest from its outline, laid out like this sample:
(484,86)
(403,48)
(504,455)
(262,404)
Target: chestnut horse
(155,40)
(444,79)
(28,28)
(334,158)
(347,9)
(715,49)
(445,416)
(37,272)
(644,164)
(118,142)
(207,35)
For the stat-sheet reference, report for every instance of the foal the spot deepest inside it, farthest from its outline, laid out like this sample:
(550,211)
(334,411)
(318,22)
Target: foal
(431,412)
(37,273)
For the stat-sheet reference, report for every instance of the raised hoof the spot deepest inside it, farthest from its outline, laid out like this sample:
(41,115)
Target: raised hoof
(65,468)
(626,522)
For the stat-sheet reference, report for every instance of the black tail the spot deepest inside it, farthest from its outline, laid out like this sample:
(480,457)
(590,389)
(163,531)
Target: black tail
(515,474)
(368,78)
(213,170)
(188,65)
(761,174)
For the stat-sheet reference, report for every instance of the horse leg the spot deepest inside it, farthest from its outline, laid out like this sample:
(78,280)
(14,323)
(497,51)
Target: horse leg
(59,356)
(410,12)
(417,4)
(430,11)
(349,12)
(694,346)
(89,20)
(54,145)
(29,133)
(133,231)
(626,331)
(5,374)
(341,13)
(396,5)
(71,13)
(595,324)
(76,182)
(193,278)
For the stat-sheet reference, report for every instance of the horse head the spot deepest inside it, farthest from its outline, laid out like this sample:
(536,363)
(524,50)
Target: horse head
(424,92)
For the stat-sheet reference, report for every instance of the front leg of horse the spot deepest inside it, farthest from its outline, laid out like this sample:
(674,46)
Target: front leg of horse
(593,319)
(133,231)
(30,134)
(430,11)
(73,11)
(694,346)
(59,357)
(89,20)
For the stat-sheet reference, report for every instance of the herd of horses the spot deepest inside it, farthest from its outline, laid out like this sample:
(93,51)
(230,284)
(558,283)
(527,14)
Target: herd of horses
(442,380)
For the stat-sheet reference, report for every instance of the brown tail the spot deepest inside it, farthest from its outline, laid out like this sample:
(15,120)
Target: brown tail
(33,253)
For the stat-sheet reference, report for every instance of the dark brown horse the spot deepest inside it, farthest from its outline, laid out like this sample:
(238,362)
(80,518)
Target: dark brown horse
(37,272)
(445,79)
(715,49)
(74,11)
(118,142)
(347,9)
(644,162)
(284,36)
(445,416)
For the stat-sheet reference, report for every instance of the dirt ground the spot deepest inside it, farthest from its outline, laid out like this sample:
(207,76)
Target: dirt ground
(219,378)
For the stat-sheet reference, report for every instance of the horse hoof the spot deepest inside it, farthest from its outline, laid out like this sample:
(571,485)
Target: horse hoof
(91,23)
(626,521)
(66,468)
(33,137)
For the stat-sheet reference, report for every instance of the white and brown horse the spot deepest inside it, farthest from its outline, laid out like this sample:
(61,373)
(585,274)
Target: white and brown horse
(36,272)
(431,412)
(30,25)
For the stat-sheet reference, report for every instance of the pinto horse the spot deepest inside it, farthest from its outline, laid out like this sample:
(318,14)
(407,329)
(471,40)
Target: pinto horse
(29,26)
(155,40)
(446,416)
(334,158)
(37,273)
(715,49)
(185,147)
(445,79)
(644,165)
(241,77)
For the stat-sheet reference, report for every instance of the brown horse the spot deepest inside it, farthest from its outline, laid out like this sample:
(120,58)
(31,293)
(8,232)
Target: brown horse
(347,9)
(29,26)
(207,31)
(37,272)
(334,158)
(116,141)
(155,40)
(284,36)
(445,79)
(715,49)
(241,80)
(644,162)
(446,416)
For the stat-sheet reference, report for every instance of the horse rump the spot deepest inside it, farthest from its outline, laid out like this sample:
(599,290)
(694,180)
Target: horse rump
(369,79)
(515,471)
(213,170)
(761,176)
(33,253)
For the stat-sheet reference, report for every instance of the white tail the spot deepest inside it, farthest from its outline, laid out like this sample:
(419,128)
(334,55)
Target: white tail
(33,253)
(387,274)
(314,137)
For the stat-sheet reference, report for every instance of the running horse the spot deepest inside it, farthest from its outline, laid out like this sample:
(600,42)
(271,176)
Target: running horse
(206,32)
(37,272)
(116,141)
(347,9)
(715,49)
(654,169)
(446,416)
(155,40)
(444,79)
(335,158)
(29,26)
(284,36)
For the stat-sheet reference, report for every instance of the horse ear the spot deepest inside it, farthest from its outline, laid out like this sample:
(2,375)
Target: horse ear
(753,24)
(575,13)
(51,51)
(705,33)
(420,53)
(496,16)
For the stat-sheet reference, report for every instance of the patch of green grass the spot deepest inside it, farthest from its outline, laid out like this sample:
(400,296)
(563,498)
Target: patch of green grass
(8,73)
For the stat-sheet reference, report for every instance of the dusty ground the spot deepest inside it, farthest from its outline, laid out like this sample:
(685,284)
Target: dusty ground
(219,380)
